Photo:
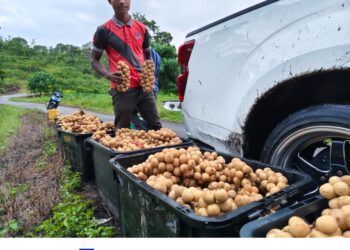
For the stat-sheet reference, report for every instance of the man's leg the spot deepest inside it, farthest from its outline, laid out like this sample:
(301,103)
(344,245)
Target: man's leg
(124,104)
(136,120)
(148,109)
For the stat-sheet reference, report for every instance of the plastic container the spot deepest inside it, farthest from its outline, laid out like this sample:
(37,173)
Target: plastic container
(309,210)
(52,114)
(74,150)
(146,212)
(104,175)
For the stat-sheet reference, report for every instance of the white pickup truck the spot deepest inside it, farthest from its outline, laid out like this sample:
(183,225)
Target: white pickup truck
(272,83)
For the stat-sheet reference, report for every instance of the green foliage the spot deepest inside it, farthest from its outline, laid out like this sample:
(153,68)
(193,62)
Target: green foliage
(49,149)
(73,216)
(11,191)
(12,122)
(163,37)
(71,182)
(11,228)
(68,65)
(172,116)
(94,102)
(41,82)
(151,24)
(165,50)
(2,75)
(169,72)
(3,85)
(158,36)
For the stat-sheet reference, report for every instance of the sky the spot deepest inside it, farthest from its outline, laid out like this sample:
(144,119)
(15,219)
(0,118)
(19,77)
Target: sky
(48,22)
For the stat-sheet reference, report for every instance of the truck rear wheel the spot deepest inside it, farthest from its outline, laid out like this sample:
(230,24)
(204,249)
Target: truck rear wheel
(315,140)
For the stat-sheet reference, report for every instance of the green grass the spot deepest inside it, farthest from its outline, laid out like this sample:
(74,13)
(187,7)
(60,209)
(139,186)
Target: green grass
(167,115)
(49,149)
(93,102)
(102,103)
(73,216)
(10,122)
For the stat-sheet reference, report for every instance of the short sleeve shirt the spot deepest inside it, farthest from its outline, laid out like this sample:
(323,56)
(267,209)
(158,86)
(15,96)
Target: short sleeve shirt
(123,42)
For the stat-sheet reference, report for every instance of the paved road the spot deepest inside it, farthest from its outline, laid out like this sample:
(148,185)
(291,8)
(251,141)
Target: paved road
(5,99)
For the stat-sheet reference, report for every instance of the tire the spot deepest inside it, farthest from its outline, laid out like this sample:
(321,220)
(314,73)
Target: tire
(51,105)
(314,140)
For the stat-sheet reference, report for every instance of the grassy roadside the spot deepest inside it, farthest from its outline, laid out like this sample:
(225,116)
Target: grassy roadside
(11,123)
(102,103)
(73,216)
(39,197)
(167,115)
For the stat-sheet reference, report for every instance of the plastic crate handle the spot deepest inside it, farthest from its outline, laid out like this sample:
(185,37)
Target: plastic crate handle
(271,202)
(87,146)
(257,214)
(280,198)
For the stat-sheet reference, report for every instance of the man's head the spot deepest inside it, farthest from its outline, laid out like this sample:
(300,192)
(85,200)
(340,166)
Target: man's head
(120,7)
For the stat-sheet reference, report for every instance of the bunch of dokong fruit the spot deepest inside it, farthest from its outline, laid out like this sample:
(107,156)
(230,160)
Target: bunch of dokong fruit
(147,76)
(130,140)
(81,123)
(334,221)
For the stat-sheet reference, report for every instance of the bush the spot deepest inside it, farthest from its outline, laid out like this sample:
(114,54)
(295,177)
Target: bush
(41,82)
(168,73)
(169,68)
(73,216)
(2,75)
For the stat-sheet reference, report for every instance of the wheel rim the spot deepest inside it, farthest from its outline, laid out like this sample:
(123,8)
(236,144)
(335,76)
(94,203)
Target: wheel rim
(320,151)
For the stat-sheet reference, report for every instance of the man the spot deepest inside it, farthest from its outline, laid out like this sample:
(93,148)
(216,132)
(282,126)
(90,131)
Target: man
(139,123)
(128,40)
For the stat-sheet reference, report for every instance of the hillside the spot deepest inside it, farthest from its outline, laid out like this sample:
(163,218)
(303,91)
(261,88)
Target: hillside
(69,65)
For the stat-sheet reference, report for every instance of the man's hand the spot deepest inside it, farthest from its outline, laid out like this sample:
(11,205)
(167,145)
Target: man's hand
(115,77)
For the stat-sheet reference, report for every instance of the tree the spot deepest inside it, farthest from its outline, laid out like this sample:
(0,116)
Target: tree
(39,49)
(165,50)
(17,46)
(158,36)
(163,38)
(41,82)
(2,75)
(151,24)
(2,72)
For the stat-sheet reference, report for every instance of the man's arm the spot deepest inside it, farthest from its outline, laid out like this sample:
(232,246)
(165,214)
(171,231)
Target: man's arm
(147,53)
(147,46)
(96,64)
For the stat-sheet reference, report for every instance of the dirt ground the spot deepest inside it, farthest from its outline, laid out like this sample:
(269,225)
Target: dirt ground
(30,192)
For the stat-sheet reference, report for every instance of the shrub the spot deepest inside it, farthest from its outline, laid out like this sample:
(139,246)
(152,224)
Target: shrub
(41,82)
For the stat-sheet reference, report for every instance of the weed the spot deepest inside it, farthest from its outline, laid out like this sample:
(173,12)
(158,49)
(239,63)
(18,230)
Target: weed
(10,228)
(73,216)
(10,191)
(49,149)
(10,124)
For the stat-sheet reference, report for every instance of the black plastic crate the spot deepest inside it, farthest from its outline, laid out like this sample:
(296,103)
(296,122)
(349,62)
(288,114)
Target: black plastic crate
(75,151)
(104,175)
(309,209)
(146,212)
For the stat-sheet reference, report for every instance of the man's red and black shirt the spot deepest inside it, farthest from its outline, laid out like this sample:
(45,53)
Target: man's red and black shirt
(123,42)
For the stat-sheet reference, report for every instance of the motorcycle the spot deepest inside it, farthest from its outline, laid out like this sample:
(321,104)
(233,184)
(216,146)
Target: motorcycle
(54,100)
